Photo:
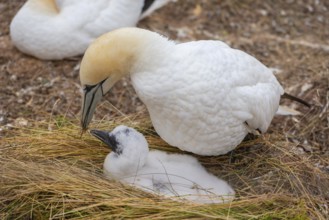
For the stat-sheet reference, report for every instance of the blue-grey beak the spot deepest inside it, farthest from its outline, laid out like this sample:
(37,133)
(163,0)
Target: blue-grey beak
(91,97)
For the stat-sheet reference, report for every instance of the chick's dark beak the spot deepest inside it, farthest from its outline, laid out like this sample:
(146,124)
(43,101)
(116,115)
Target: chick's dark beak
(107,138)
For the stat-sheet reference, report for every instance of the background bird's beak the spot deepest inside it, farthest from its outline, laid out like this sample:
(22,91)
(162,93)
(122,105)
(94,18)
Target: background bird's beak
(92,96)
(107,138)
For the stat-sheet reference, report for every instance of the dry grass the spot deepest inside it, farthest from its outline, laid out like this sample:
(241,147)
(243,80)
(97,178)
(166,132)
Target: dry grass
(48,172)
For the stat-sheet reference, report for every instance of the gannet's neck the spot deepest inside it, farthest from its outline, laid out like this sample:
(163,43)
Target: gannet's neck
(119,53)
(114,55)
(43,6)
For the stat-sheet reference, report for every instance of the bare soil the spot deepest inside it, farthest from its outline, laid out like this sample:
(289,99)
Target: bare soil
(290,35)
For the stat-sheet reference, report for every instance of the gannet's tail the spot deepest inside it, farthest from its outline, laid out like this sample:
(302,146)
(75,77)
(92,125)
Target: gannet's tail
(152,5)
(296,99)
(285,110)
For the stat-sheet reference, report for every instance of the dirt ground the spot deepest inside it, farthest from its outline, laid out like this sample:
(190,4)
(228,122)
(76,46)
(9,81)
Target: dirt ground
(291,36)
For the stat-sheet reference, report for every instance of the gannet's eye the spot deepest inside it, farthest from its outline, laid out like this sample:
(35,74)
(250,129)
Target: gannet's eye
(87,88)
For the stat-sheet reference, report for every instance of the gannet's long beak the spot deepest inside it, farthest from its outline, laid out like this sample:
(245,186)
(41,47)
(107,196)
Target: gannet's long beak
(91,97)
(107,138)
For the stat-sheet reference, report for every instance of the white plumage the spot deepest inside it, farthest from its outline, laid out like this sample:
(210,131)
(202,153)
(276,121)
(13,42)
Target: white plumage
(201,103)
(173,175)
(56,29)
(202,96)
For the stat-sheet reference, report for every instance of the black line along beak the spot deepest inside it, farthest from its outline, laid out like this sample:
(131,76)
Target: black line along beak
(92,96)
(107,139)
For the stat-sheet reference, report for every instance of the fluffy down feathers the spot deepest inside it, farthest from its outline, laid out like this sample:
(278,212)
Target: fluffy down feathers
(172,175)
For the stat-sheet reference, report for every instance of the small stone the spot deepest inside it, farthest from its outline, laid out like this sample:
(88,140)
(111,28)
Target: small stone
(13,77)
(263,12)
(21,122)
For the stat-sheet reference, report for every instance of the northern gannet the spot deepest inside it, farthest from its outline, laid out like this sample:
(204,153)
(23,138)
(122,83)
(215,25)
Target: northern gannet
(57,29)
(175,175)
(202,96)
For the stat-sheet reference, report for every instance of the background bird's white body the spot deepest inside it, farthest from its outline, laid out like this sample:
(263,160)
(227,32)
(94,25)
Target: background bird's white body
(56,29)
(200,94)
(174,175)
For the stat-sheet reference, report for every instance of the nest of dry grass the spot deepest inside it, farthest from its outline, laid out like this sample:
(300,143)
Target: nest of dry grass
(49,172)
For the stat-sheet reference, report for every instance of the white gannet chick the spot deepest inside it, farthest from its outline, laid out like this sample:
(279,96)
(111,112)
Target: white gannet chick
(202,96)
(57,29)
(175,175)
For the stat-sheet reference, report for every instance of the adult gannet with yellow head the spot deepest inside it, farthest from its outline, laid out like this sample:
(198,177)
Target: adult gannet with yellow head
(202,96)
(57,29)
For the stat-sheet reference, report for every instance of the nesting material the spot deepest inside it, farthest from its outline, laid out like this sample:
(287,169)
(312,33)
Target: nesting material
(55,174)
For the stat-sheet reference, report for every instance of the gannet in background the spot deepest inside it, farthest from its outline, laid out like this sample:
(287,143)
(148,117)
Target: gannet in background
(175,175)
(202,96)
(57,29)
